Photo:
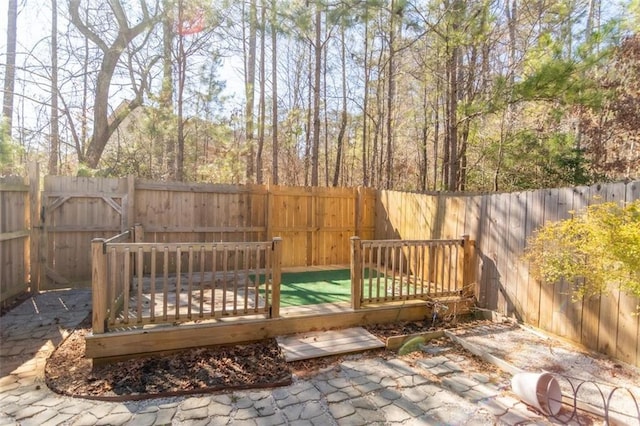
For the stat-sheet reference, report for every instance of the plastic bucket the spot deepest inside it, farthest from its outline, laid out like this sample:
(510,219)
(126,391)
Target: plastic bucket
(540,390)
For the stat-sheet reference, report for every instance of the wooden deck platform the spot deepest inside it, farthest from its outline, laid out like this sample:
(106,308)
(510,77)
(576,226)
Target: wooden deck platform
(326,343)
(123,344)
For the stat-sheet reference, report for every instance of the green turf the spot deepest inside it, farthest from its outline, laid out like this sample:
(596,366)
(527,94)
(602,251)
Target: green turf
(311,288)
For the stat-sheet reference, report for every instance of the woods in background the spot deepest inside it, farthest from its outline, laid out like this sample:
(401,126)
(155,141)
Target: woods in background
(454,95)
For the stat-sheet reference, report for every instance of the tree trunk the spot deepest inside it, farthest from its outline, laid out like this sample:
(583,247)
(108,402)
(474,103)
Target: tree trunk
(325,113)
(84,130)
(54,148)
(365,106)
(391,94)
(249,87)
(166,94)
(261,102)
(104,125)
(316,97)
(274,92)
(423,157)
(343,118)
(309,121)
(10,67)
(182,74)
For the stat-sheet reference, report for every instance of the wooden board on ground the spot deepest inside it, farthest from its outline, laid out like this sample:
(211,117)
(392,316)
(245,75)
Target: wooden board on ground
(326,343)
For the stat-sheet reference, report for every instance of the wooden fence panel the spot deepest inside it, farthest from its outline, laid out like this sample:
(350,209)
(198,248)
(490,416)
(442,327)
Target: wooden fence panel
(76,210)
(366,211)
(292,218)
(315,223)
(517,269)
(14,237)
(200,212)
(472,223)
(336,219)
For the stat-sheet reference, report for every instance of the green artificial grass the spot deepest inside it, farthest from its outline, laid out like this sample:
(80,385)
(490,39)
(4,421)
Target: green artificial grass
(314,287)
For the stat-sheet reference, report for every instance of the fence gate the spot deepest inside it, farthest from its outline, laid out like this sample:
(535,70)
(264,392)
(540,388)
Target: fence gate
(75,211)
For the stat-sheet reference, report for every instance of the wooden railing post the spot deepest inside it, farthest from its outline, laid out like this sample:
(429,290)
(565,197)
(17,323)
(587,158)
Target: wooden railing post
(98,285)
(467,266)
(277,276)
(356,272)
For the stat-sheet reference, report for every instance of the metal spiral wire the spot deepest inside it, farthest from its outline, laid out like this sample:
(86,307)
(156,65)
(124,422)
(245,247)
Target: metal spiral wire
(605,393)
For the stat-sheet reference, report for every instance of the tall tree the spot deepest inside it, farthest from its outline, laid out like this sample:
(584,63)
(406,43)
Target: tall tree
(54,150)
(112,48)
(166,92)
(250,83)
(317,74)
(262,101)
(10,67)
(343,114)
(365,102)
(274,95)
(395,16)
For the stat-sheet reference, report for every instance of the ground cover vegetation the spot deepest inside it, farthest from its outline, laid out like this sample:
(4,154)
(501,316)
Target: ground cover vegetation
(402,94)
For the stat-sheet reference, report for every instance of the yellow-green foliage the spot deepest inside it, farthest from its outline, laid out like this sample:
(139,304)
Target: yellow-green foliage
(596,250)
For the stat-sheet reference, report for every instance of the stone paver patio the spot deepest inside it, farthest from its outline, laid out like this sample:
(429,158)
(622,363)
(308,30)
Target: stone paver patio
(439,389)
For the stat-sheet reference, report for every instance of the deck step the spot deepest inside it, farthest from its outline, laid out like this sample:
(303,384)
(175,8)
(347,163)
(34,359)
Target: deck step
(318,344)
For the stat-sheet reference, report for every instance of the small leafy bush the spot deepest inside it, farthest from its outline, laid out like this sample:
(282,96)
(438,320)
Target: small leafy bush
(595,250)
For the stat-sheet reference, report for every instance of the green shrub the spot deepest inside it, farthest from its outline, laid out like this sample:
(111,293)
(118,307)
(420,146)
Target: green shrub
(595,250)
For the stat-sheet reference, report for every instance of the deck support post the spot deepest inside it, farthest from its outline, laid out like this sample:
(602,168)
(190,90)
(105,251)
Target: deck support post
(98,285)
(356,272)
(277,277)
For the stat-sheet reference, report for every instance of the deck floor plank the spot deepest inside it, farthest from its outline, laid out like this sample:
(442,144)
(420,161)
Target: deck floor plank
(326,343)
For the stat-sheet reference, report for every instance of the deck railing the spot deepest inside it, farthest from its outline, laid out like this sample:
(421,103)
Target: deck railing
(397,270)
(136,283)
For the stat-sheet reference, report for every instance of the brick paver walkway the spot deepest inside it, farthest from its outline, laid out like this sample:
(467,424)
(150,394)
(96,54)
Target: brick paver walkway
(438,389)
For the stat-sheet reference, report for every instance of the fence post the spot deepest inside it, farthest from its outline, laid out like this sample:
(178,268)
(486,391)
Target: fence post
(98,285)
(277,277)
(34,223)
(358,210)
(128,214)
(356,272)
(467,265)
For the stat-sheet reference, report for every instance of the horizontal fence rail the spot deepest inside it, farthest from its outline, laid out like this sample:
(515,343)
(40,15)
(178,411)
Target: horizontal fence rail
(137,284)
(397,270)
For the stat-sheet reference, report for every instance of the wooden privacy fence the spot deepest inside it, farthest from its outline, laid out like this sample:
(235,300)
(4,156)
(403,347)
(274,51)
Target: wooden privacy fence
(314,223)
(137,284)
(500,224)
(397,270)
(50,247)
(19,210)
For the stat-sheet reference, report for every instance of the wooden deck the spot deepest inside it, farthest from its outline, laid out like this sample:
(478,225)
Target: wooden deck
(137,341)
(326,343)
(138,338)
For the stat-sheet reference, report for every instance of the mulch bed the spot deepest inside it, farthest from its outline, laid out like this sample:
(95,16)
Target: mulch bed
(200,370)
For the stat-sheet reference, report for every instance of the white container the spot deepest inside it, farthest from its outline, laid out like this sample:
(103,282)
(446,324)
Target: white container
(540,390)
